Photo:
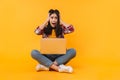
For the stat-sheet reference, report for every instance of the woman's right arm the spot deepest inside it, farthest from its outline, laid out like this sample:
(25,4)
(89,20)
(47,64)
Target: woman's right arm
(39,29)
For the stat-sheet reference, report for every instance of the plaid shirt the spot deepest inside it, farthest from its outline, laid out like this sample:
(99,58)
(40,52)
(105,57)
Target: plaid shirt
(66,30)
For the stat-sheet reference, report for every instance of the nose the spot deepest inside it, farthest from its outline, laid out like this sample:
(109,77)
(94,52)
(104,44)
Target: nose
(54,19)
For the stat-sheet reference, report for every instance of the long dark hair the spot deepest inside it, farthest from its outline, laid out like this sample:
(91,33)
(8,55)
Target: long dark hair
(58,29)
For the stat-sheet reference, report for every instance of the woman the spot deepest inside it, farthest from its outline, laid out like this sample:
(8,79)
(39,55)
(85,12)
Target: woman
(53,27)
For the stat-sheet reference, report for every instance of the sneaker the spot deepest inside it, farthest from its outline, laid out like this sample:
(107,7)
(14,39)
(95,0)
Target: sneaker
(63,68)
(41,67)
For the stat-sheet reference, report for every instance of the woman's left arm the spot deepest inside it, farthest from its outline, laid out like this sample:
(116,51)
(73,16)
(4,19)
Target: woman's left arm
(67,28)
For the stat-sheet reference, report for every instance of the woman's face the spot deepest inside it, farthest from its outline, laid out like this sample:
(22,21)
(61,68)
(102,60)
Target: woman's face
(53,20)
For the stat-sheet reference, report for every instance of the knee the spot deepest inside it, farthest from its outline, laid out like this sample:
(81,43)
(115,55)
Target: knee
(34,53)
(72,52)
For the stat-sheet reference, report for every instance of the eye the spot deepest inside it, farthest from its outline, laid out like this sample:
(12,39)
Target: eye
(51,17)
(56,17)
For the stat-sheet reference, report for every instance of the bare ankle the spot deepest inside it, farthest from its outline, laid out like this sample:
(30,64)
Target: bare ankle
(54,67)
(55,63)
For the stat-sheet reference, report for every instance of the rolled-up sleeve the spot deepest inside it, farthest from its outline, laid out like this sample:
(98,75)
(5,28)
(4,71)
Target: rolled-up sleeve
(38,31)
(69,29)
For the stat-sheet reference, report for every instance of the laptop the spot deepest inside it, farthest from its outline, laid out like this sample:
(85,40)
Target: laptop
(53,46)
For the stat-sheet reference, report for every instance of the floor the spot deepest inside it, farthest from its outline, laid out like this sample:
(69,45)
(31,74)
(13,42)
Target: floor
(85,68)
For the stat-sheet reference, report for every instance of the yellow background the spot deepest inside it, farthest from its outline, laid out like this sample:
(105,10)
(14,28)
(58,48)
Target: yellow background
(96,38)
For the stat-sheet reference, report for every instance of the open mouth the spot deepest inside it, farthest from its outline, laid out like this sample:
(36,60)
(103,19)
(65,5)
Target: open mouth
(53,23)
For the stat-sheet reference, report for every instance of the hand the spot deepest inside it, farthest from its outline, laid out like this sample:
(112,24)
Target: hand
(45,23)
(48,18)
(63,23)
